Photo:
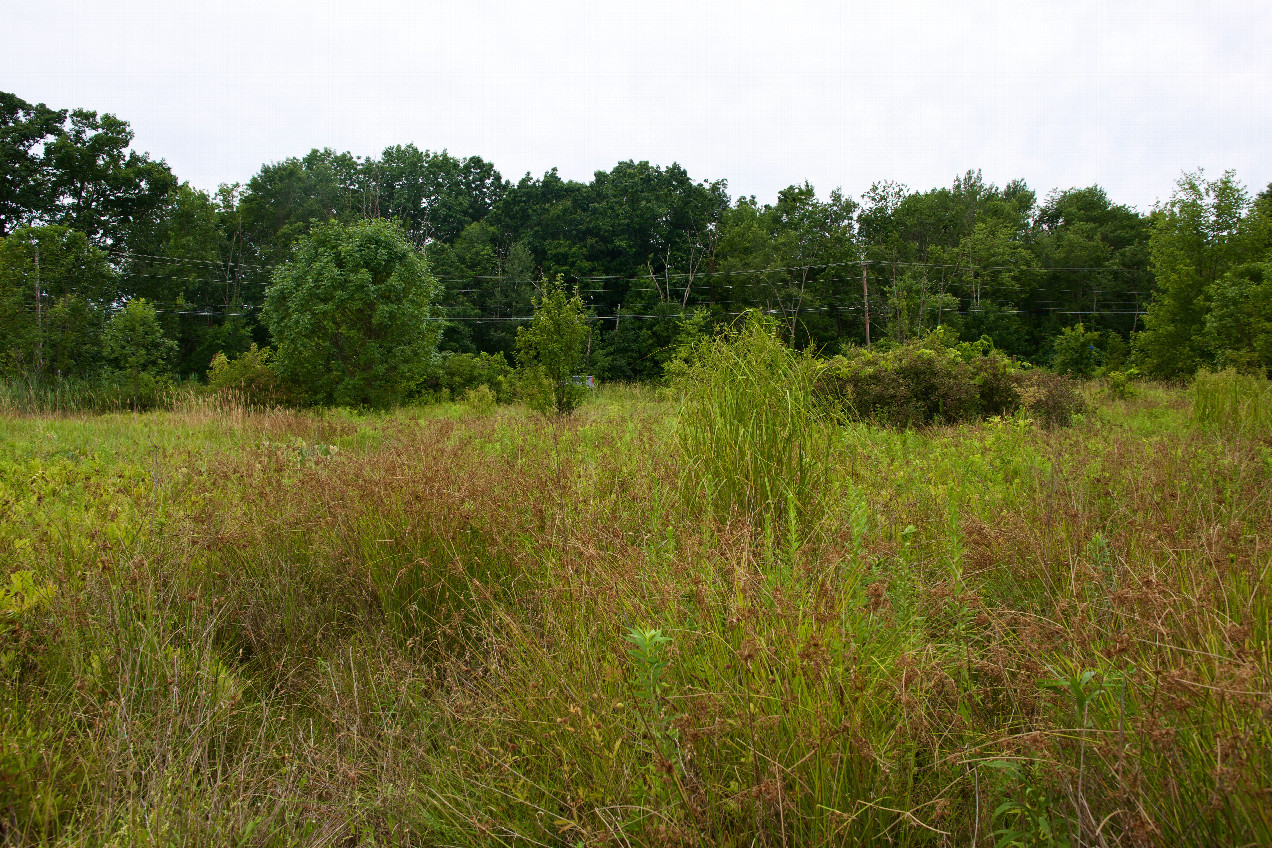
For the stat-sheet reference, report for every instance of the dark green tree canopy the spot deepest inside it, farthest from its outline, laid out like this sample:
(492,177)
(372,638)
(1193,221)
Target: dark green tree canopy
(1201,234)
(24,188)
(42,268)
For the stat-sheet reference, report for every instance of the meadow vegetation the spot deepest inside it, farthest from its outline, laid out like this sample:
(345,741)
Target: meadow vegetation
(722,613)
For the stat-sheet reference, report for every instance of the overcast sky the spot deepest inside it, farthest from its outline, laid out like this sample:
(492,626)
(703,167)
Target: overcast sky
(1124,94)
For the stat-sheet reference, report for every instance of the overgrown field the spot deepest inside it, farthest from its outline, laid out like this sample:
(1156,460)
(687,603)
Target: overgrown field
(443,627)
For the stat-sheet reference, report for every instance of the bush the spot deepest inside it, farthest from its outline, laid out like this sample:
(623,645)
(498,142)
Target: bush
(459,372)
(1076,351)
(481,400)
(931,382)
(1119,384)
(1050,399)
(550,351)
(138,355)
(1230,403)
(352,316)
(918,384)
(250,376)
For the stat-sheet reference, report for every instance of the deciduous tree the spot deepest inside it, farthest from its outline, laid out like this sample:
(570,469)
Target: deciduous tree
(352,315)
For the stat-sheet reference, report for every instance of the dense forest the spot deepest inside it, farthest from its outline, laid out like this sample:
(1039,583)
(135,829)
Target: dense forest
(110,261)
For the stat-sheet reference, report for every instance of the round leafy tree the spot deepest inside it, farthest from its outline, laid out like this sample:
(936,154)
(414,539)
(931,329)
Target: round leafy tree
(352,315)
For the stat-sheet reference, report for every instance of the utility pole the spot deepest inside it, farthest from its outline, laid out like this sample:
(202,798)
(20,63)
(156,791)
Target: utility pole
(865,299)
(39,317)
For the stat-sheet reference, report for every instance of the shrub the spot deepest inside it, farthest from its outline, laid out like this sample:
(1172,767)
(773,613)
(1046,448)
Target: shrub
(250,375)
(459,372)
(917,384)
(138,355)
(1050,399)
(933,382)
(550,351)
(1076,351)
(1119,384)
(480,400)
(1232,404)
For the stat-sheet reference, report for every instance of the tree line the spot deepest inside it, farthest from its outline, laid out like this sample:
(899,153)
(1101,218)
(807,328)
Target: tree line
(110,264)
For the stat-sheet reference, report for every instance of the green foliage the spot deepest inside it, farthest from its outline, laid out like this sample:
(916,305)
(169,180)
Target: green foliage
(1028,818)
(1119,384)
(1200,235)
(649,654)
(133,343)
(1239,324)
(480,400)
(53,287)
(1050,399)
(693,335)
(940,381)
(73,338)
(1076,352)
(352,316)
(921,383)
(137,354)
(249,377)
(1230,403)
(458,373)
(750,435)
(550,351)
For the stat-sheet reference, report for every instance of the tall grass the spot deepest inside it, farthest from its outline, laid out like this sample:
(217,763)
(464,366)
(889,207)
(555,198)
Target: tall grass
(1232,404)
(69,396)
(751,438)
(273,628)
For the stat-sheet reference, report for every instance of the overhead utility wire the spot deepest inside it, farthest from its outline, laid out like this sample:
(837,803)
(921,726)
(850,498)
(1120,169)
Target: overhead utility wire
(695,274)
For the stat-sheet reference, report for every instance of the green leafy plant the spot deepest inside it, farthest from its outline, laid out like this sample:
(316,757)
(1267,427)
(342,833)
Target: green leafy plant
(922,383)
(1029,819)
(1077,351)
(750,432)
(550,351)
(250,376)
(457,373)
(480,400)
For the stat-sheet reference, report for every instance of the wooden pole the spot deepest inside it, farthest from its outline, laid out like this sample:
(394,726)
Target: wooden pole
(865,300)
(39,317)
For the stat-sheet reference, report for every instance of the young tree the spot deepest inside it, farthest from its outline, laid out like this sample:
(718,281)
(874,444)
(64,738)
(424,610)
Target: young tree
(134,343)
(352,315)
(1239,325)
(136,349)
(1197,238)
(550,350)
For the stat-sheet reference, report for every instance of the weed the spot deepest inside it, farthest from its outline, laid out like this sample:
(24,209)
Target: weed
(749,432)
(1232,404)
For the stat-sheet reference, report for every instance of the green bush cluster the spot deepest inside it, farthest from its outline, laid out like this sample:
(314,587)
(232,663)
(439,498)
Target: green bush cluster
(459,373)
(934,382)
(1089,353)
(249,377)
